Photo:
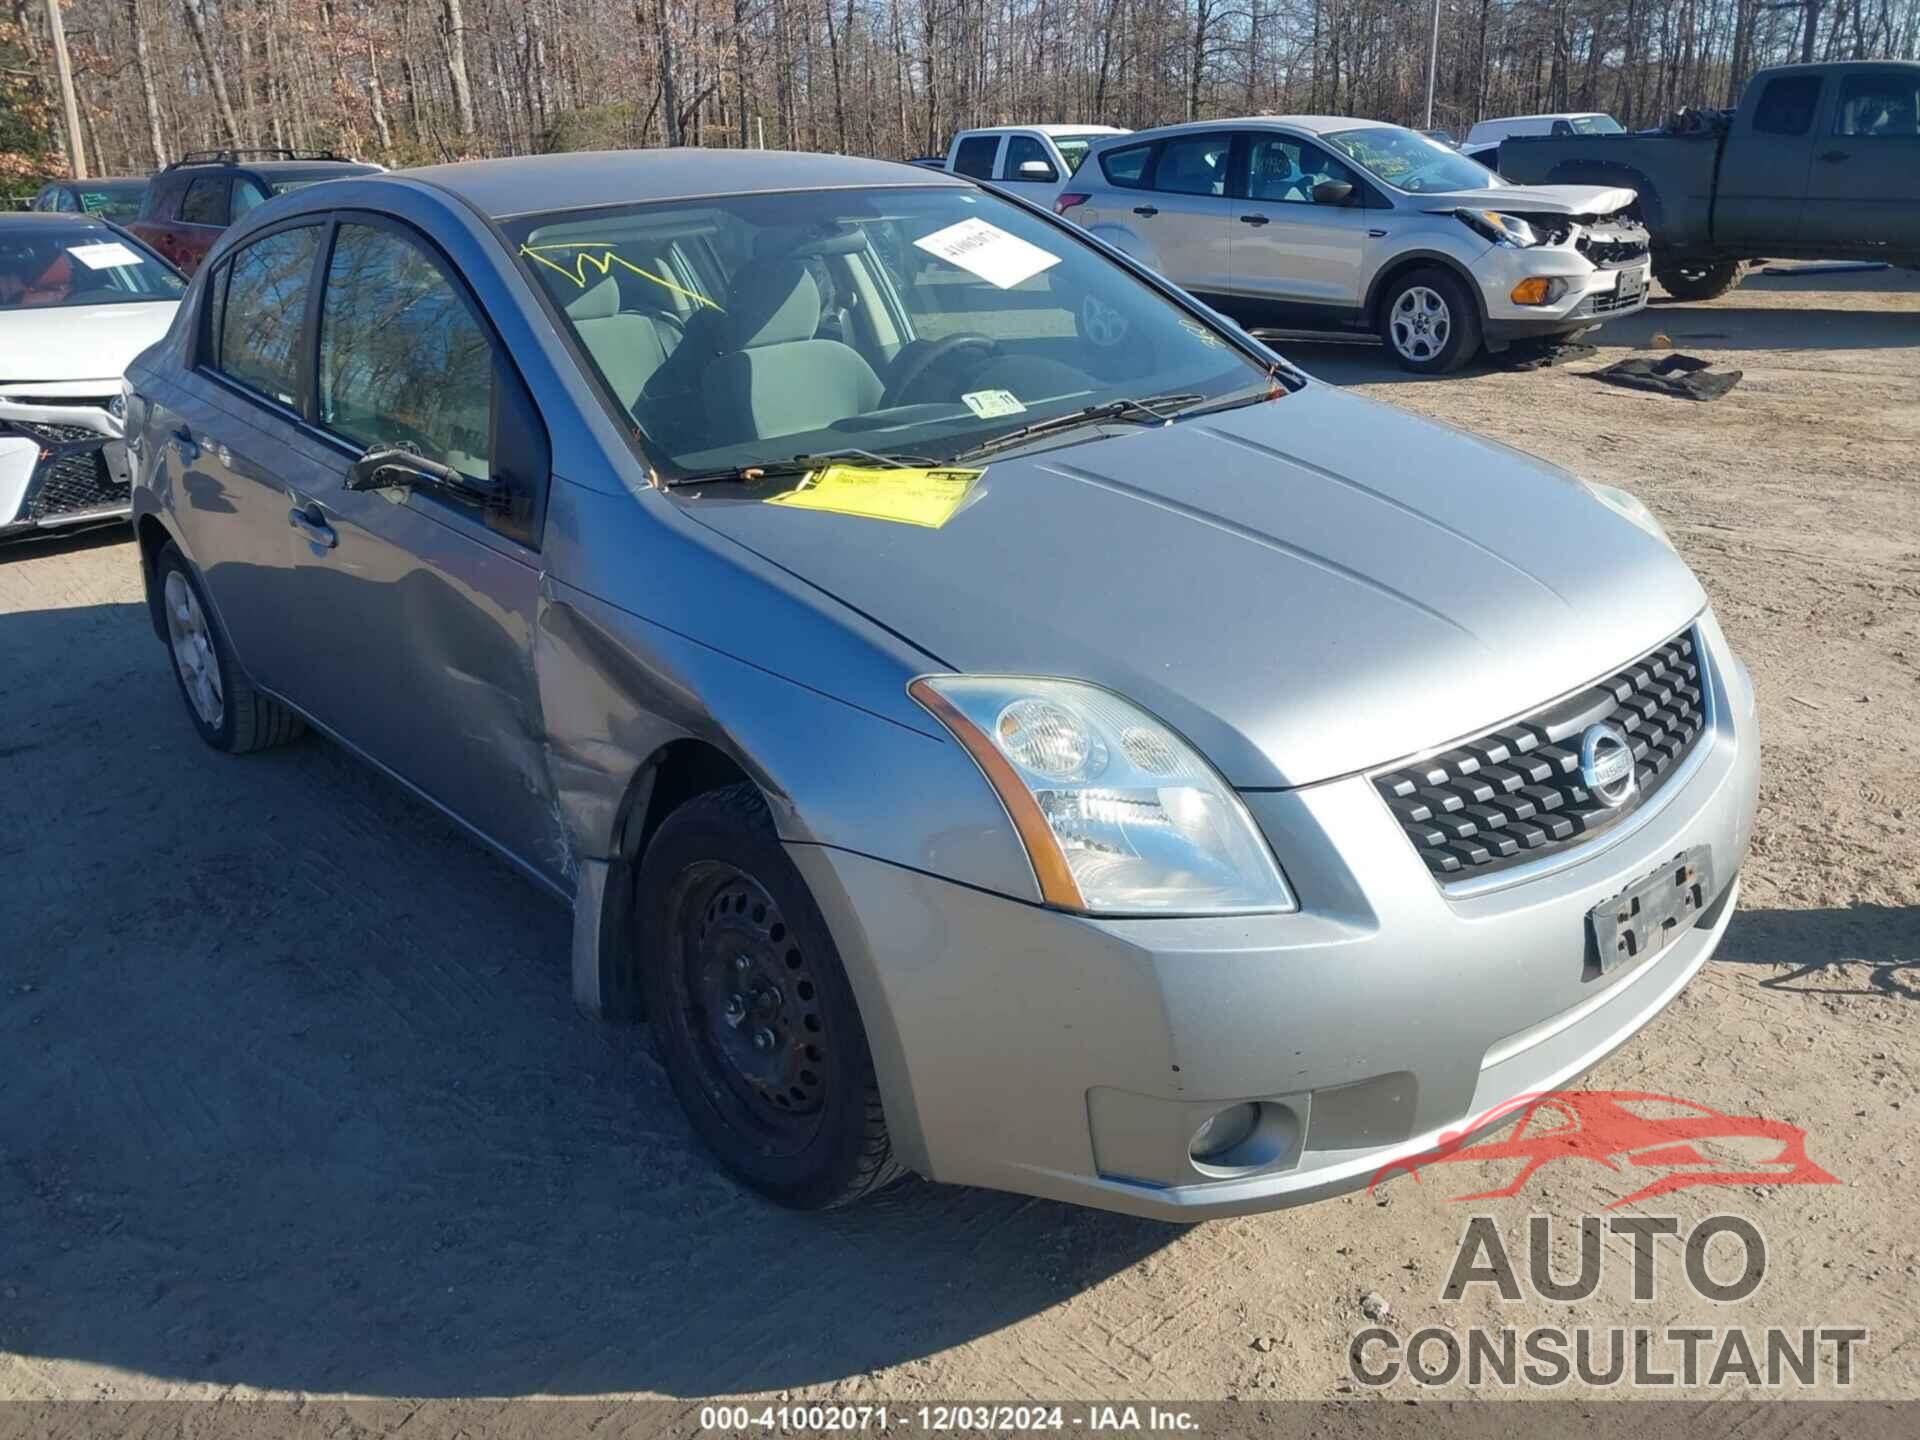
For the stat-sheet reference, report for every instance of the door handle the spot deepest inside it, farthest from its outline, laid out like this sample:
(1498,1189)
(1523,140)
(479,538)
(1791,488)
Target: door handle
(1146,209)
(311,522)
(188,447)
(1834,157)
(1253,219)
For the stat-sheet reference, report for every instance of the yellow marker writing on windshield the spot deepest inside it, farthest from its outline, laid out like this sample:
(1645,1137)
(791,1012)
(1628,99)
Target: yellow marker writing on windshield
(604,262)
(905,496)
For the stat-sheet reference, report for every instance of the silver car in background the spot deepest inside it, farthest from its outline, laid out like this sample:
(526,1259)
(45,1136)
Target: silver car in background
(994,719)
(1327,223)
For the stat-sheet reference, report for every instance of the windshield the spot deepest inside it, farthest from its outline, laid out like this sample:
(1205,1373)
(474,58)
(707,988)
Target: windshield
(750,329)
(113,200)
(1073,149)
(1596,125)
(1408,160)
(46,266)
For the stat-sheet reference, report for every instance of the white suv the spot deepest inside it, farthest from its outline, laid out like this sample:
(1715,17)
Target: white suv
(1327,223)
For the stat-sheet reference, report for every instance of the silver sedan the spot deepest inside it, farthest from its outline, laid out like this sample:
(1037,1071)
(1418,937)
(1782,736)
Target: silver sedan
(992,718)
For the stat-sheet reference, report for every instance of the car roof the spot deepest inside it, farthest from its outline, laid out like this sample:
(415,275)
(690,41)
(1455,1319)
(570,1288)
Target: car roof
(530,184)
(15,219)
(104,180)
(1303,124)
(1554,115)
(1047,130)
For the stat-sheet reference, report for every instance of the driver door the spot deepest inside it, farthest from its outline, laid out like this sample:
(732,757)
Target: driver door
(411,615)
(1290,250)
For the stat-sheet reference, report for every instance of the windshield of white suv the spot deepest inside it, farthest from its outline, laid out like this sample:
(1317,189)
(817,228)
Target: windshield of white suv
(1408,160)
(1596,125)
(45,266)
(746,330)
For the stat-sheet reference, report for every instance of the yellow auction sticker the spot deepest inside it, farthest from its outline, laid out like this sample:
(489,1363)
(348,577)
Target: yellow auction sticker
(905,496)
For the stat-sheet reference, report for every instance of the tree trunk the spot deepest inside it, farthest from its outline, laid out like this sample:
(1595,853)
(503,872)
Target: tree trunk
(149,94)
(457,66)
(216,75)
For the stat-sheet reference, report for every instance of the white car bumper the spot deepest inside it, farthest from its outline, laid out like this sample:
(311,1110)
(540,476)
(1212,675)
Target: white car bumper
(62,455)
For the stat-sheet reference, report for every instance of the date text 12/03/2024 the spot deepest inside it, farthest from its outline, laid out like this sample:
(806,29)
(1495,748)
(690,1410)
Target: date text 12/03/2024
(1115,1419)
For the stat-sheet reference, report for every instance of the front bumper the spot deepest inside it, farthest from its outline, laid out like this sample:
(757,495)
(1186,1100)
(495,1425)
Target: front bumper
(61,464)
(1028,1050)
(1588,294)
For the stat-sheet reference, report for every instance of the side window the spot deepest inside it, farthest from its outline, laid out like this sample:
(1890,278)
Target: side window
(1126,168)
(1194,165)
(1879,104)
(403,360)
(1561,127)
(246,196)
(1023,150)
(206,202)
(1287,170)
(1786,105)
(975,156)
(258,324)
(63,200)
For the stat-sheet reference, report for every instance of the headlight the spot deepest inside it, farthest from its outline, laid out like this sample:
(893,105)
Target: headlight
(1622,503)
(1501,229)
(1119,815)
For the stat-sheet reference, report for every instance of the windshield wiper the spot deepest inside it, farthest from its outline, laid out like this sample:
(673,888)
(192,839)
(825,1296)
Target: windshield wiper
(1272,389)
(1153,410)
(800,465)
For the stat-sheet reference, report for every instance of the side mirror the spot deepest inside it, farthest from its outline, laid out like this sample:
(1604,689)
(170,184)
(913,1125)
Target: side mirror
(390,465)
(1332,192)
(1037,170)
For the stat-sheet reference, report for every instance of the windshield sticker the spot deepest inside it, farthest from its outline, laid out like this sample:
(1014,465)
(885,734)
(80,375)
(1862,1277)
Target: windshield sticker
(905,496)
(988,251)
(103,256)
(989,404)
(1202,334)
(574,260)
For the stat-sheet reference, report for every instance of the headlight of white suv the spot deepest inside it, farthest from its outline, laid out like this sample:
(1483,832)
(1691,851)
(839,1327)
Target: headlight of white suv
(1628,505)
(1501,229)
(1119,815)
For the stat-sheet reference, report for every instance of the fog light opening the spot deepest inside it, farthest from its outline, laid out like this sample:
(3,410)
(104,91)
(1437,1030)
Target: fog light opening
(1224,1132)
(1537,290)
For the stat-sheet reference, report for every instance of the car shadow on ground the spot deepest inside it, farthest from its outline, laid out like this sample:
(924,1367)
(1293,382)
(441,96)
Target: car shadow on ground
(295,1098)
(1863,950)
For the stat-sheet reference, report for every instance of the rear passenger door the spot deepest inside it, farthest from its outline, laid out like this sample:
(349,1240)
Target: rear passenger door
(1189,215)
(412,610)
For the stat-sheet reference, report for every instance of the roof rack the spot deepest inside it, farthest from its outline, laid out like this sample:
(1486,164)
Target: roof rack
(233,157)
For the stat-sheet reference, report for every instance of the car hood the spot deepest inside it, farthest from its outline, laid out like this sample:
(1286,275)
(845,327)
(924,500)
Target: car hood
(1306,587)
(78,342)
(1537,199)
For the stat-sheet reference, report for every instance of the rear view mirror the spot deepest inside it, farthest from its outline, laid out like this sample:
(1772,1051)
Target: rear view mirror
(1332,192)
(1037,170)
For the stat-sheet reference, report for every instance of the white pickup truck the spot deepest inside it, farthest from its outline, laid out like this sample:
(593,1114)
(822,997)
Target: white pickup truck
(1034,156)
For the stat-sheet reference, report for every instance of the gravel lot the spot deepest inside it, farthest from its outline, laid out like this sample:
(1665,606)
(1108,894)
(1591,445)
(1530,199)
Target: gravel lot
(294,1100)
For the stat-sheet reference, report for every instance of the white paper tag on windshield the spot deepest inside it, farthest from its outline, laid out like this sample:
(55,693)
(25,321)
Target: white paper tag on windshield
(989,403)
(103,256)
(988,251)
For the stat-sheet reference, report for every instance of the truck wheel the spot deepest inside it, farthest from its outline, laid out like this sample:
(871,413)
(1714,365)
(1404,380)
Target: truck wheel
(755,1019)
(1698,281)
(227,711)
(1428,322)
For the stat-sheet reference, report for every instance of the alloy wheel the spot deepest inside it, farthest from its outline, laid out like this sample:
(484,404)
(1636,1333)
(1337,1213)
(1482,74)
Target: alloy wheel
(1420,324)
(193,651)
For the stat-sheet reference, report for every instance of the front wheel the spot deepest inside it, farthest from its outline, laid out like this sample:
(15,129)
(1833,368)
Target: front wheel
(755,1018)
(1428,322)
(1698,281)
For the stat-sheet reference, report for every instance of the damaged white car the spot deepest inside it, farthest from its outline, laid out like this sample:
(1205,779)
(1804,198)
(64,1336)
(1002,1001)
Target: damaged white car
(79,298)
(1327,223)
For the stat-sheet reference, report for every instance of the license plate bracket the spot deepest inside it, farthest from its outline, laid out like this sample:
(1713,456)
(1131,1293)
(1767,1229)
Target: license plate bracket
(1654,911)
(1631,284)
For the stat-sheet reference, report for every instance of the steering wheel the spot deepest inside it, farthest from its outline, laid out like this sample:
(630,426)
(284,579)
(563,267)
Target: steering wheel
(913,364)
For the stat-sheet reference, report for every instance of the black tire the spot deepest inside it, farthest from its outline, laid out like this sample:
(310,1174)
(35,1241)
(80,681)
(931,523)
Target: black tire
(1699,282)
(246,720)
(737,949)
(1445,351)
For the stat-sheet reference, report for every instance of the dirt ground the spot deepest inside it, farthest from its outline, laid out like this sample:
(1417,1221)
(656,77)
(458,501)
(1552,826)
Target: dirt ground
(293,1098)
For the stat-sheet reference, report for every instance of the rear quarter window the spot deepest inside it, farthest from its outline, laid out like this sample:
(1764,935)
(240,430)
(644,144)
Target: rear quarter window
(1127,167)
(256,328)
(975,156)
(206,202)
(1786,105)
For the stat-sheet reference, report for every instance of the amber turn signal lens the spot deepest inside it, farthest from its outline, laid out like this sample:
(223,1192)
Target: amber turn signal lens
(1536,291)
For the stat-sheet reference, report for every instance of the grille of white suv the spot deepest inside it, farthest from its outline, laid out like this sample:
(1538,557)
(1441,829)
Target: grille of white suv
(1515,794)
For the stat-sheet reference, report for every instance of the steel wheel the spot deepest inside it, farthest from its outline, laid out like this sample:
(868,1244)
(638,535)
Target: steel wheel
(1420,324)
(193,651)
(752,1007)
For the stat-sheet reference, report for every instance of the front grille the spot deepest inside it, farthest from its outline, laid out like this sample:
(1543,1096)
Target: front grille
(1515,794)
(77,480)
(1608,301)
(1612,248)
(50,433)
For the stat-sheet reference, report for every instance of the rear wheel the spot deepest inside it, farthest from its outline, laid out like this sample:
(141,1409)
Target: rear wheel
(1429,323)
(227,711)
(1698,281)
(756,1022)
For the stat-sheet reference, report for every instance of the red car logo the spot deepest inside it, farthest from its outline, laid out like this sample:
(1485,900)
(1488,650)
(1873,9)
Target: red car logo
(1623,1130)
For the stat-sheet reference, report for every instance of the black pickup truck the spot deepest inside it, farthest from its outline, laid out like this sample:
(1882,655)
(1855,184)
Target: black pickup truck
(1819,162)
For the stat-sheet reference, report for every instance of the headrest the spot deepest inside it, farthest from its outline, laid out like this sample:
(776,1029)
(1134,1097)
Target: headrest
(799,241)
(773,302)
(597,302)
